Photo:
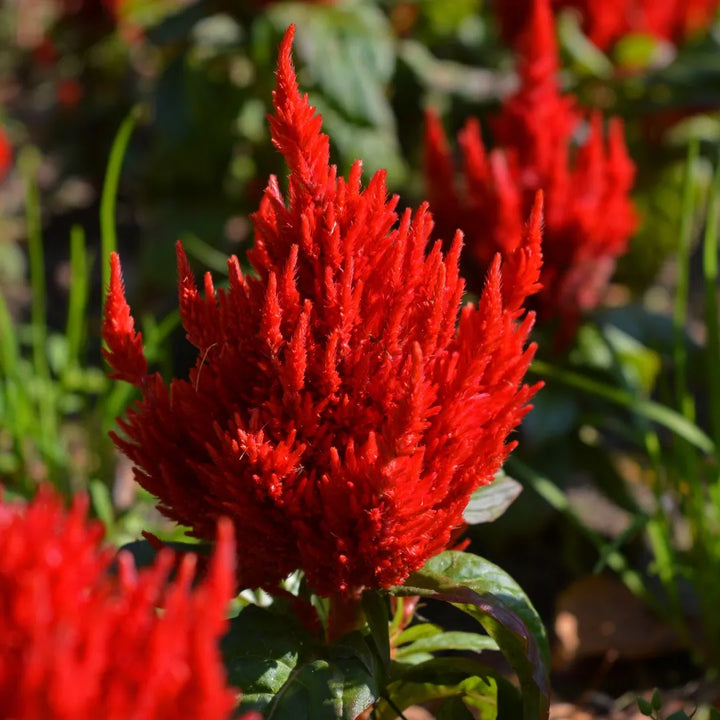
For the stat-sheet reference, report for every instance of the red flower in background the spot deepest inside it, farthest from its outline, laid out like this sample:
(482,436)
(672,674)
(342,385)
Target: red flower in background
(6,155)
(588,214)
(335,411)
(77,642)
(606,21)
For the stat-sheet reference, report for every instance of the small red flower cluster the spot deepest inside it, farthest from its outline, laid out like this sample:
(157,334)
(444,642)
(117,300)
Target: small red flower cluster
(606,21)
(588,216)
(335,411)
(78,642)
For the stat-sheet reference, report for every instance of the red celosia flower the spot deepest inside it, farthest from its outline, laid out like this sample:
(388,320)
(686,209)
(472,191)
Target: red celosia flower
(77,642)
(335,411)
(606,21)
(588,217)
(6,155)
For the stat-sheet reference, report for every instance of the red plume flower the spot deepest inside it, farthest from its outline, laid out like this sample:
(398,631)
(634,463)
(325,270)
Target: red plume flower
(588,217)
(336,411)
(77,642)
(606,21)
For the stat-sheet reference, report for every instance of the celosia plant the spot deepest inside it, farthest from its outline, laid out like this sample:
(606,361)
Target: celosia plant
(605,22)
(78,641)
(341,410)
(588,213)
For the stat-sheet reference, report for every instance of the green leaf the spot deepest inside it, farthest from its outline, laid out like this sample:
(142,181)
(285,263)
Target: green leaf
(480,691)
(376,613)
(644,707)
(489,502)
(494,599)
(656,701)
(286,674)
(261,652)
(460,677)
(415,632)
(102,503)
(454,709)
(454,640)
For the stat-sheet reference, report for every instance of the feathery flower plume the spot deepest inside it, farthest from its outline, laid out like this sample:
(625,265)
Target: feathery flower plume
(77,642)
(588,214)
(607,21)
(336,411)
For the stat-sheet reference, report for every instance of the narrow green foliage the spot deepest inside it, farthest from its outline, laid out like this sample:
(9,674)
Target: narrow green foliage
(661,414)
(609,552)
(683,281)
(29,162)
(712,326)
(75,329)
(108,202)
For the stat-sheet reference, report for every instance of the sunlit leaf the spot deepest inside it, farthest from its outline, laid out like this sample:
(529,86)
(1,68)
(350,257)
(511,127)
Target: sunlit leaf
(492,597)
(489,502)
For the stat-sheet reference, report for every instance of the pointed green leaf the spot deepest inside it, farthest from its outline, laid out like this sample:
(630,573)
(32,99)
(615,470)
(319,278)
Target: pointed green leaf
(492,597)
(454,640)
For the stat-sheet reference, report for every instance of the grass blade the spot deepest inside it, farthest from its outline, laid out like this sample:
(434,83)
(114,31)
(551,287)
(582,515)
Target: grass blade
(29,161)
(78,298)
(108,201)
(710,272)
(665,416)
(683,282)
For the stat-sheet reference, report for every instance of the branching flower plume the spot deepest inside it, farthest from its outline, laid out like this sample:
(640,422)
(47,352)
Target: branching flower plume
(607,21)
(341,409)
(588,213)
(79,642)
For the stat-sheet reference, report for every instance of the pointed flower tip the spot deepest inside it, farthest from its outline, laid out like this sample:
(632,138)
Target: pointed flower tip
(124,352)
(537,217)
(285,67)
(537,42)
(286,45)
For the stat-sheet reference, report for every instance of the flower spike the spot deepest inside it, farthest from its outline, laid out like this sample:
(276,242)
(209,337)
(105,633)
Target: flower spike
(588,213)
(124,351)
(77,641)
(341,409)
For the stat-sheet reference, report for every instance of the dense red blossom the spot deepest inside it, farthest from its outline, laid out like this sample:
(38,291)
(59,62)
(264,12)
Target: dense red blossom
(336,411)
(606,21)
(77,642)
(588,214)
